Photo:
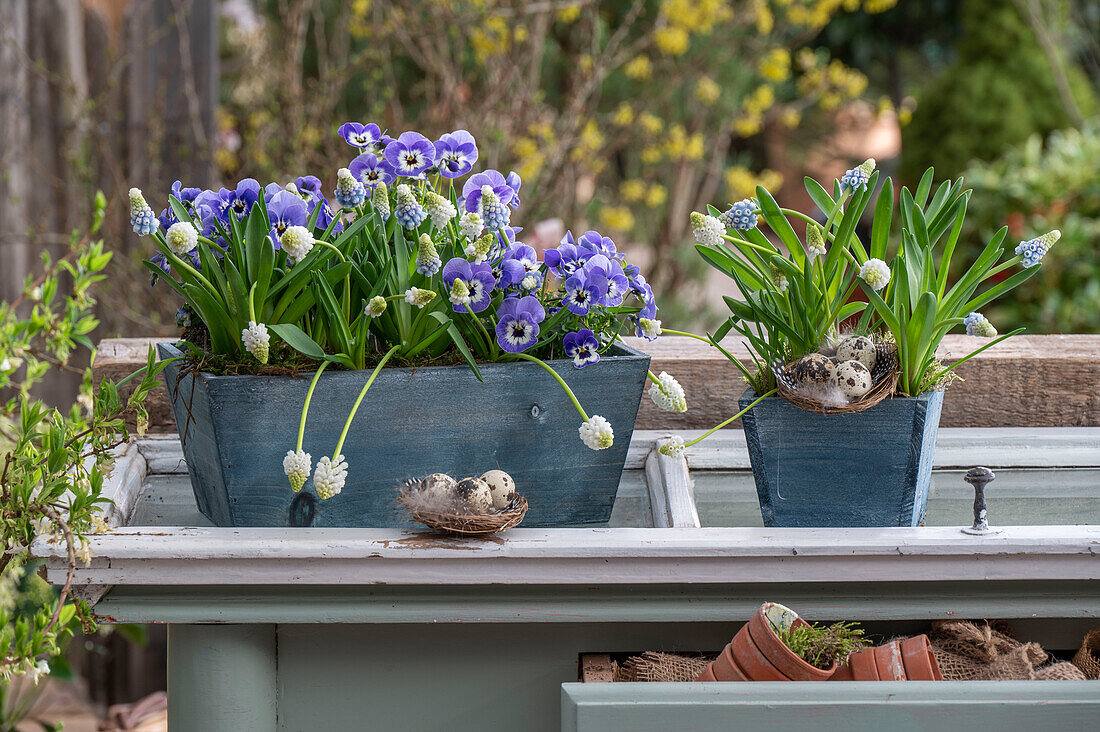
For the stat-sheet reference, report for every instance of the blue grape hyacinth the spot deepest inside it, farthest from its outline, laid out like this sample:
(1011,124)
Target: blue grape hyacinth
(978,325)
(857,177)
(407,209)
(142,219)
(1032,251)
(350,193)
(740,216)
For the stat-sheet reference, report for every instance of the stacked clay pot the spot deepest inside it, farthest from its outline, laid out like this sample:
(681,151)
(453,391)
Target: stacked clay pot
(756,653)
(911,659)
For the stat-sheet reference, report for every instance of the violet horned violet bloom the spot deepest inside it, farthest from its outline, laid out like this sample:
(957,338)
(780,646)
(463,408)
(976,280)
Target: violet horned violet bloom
(350,193)
(583,290)
(667,394)
(597,434)
(518,328)
(407,210)
(256,340)
(285,209)
(330,476)
(297,242)
(616,284)
(182,237)
(370,170)
(707,229)
(875,273)
(978,325)
(514,182)
(427,257)
(410,154)
(469,284)
(741,215)
(583,347)
(360,135)
(857,177)
(1032,251)
(455,153)
(142,219)
(297,465)
(239,201)
(473,189)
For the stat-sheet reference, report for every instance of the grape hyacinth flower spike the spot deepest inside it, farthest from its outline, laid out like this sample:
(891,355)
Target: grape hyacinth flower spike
(350,193)
(297,242)
(380,199)
(978,325)
(376,306)
(707,229)
(427,256)
(1032,251)
(419,298)
(142,219)
(815,241)
(182,237)
(667,393)
(876,273)
(439,209)
(857,178)
(297,465)
(407,210)
(256,340)
(741,215)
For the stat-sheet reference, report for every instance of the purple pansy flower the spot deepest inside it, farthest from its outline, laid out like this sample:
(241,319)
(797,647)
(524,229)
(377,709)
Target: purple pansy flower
(410,154)
(597,243)
(186,196)
(612,272)
(583,290)
(285,210)
(509,273)
(360,135)
(518,328)
(514,182)
(455,153)
(582,347)
(471,189)
(309,186)
(240,200)
(525,255)
(370,170)
(474,284)
(567,258)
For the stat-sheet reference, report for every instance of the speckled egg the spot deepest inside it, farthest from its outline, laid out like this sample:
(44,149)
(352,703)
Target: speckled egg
(853,378)
(857,348)
(438,488)
(813,369)
(476,494)
(501,486)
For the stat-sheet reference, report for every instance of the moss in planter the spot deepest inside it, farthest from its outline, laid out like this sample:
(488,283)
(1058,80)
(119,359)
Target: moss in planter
(821,645)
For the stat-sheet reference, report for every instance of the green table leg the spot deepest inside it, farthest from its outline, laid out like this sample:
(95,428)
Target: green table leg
(221,678)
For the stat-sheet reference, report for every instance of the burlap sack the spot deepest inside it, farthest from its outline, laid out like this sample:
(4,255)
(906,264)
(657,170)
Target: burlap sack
(1088,657)
(988,652)
(654,666)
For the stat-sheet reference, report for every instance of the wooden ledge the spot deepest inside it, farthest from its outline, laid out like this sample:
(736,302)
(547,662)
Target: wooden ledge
(1026,381)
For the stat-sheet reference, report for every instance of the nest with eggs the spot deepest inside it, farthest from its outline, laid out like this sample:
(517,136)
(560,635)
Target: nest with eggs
(811,382)
(470,507)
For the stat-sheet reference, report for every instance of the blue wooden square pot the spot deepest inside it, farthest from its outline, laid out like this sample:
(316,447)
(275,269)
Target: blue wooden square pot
(235,431)
(869,468)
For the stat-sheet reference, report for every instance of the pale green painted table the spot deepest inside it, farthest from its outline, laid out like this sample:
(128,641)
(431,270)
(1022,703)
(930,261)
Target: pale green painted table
(307,629)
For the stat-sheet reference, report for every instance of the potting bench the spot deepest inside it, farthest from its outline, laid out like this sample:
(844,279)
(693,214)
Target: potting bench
(324,629)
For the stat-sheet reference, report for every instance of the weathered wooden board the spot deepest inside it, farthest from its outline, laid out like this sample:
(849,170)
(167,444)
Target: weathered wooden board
(1029,380)
(914,706)
(414,422)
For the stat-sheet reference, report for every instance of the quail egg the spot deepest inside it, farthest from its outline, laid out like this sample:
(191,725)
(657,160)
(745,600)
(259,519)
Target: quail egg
(476,494)
(501,486)
(438,488)
(813,369)
(857,348)
(853,378)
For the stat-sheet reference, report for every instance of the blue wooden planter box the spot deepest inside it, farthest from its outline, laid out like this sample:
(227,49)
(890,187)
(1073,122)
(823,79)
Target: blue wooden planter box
(870,468)
(236,429)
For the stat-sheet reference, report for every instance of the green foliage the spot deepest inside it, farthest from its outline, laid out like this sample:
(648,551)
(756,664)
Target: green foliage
(822,645)
(53,464)
(1000,90)
(1034,188)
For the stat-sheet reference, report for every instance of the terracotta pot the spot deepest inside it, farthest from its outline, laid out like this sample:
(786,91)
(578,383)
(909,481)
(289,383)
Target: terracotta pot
(757,654)
(707,675)
(908,660)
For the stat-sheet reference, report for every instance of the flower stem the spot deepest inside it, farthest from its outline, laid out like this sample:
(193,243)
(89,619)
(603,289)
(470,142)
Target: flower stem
(251,303)
(490,343)
(559,379)
(719,426)
(305,407)
(653,378)
(689,335)
(333,247)
(363,393)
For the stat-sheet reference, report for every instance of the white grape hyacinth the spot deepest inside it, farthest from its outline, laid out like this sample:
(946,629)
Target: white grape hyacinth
(329,477)
(707,229)
(673,446)
(297,242)
(182,237)
(471,225)
(875,273)
(440,210)
(256,340)
(419,298)
(297,465)
(667,394)
(597,434)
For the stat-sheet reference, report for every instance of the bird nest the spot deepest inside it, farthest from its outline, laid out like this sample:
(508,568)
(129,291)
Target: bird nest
(884,381)
(455,520)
